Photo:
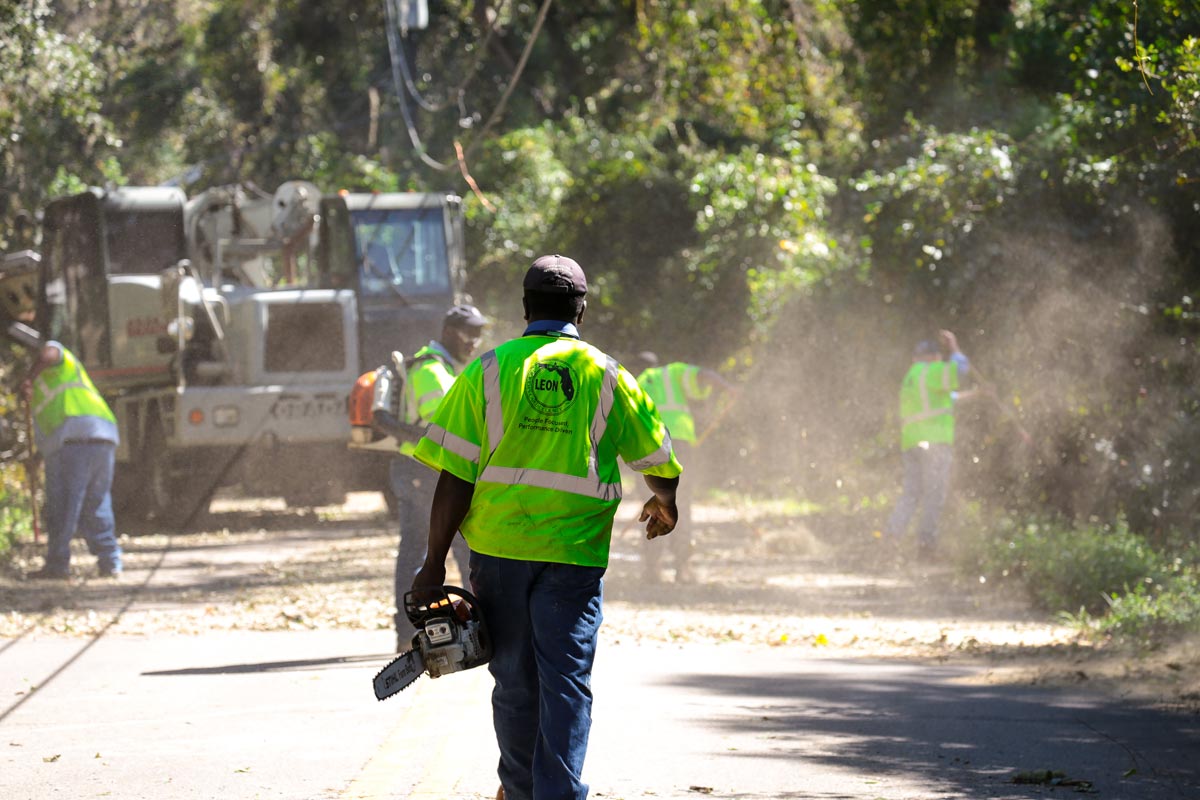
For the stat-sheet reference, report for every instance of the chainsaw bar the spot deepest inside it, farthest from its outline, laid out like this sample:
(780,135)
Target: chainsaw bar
(399,674)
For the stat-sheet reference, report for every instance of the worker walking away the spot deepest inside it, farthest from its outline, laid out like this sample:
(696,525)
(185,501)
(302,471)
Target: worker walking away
(927,397)
(430,373)
(527,441)
(674,388)
(76,434)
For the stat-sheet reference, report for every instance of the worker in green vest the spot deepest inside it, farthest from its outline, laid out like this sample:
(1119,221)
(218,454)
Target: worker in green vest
(430,373)
(527,441)
(675,388)
(76,434)
(928,395)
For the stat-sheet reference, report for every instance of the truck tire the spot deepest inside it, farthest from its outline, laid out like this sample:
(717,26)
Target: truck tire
(127,493)
(177,494)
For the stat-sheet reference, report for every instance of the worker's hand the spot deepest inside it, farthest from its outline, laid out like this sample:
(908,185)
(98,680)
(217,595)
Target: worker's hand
(949,340)
(662,517)
(26,390)
(430,578)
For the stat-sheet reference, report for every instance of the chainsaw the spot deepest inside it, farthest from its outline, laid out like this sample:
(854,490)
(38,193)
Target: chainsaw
(451,636)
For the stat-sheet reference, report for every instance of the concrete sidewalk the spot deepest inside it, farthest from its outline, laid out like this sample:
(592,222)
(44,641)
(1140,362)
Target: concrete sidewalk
(238,714)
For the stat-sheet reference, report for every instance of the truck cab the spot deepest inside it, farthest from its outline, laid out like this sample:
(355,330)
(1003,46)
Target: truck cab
(409,267)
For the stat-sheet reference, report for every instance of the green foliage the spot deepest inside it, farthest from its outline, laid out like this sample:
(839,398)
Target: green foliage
(765,215)
(1093,569)
(930,193)
(50,106)
(935,58)
(15,517)
(745,71)
(734,242)
(1152,614)
(1125,92)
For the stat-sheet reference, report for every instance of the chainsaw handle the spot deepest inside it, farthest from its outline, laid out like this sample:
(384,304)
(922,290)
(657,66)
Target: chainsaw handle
(425,604)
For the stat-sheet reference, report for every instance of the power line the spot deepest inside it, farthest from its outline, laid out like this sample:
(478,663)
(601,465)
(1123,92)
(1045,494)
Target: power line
(398,82)
(459,91)
(393,37)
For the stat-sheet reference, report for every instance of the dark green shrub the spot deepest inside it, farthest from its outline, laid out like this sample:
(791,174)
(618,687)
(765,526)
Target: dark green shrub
(1152,613)
(1068,568)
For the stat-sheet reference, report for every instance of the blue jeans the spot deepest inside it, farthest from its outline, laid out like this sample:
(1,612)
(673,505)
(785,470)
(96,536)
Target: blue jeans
(413,484)
(79,502)
(926,484)
(544,620)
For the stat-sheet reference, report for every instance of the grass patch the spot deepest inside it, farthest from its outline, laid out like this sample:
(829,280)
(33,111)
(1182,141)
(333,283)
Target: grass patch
(1104,578)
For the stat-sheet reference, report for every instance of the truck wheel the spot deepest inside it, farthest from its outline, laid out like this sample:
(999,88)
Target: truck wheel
(176,493)
(127,494)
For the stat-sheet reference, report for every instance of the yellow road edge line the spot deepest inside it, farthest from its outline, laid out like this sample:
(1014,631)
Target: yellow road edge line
(405,764)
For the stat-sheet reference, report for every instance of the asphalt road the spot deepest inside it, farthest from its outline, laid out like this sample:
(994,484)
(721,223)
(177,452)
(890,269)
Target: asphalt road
(291,715)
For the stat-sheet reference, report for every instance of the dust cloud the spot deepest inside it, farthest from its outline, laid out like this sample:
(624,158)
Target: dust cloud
(1062,321)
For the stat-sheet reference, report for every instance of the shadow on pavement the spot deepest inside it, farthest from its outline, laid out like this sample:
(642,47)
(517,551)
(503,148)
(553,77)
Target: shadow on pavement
(899,719)
(298,665)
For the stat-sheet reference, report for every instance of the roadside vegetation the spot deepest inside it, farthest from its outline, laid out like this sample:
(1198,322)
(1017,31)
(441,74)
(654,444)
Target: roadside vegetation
(16,522)
(1105,579)
(790,192)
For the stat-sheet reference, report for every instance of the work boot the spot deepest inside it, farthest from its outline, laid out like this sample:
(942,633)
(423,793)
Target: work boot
(49,573)
(110,571)
(928,553)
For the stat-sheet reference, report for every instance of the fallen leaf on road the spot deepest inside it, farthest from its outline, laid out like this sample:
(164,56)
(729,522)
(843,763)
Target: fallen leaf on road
(52,759)
(1049,777)
(700,789)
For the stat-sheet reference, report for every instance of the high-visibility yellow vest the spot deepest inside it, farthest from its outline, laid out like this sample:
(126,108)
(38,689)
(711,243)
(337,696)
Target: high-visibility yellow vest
(66,390)
(671,387)
(537,425)
(926,407)
(429,379)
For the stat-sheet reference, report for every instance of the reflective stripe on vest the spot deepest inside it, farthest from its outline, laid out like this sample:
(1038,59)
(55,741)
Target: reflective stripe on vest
(74,396)
(656,459)
(589,485)
(926,411)
(55,392)
(672,387)
(452,443)
(926,404)
(672,400)
(422,363)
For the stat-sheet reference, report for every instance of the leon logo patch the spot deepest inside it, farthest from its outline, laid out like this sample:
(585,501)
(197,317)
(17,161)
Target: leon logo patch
(550,387)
